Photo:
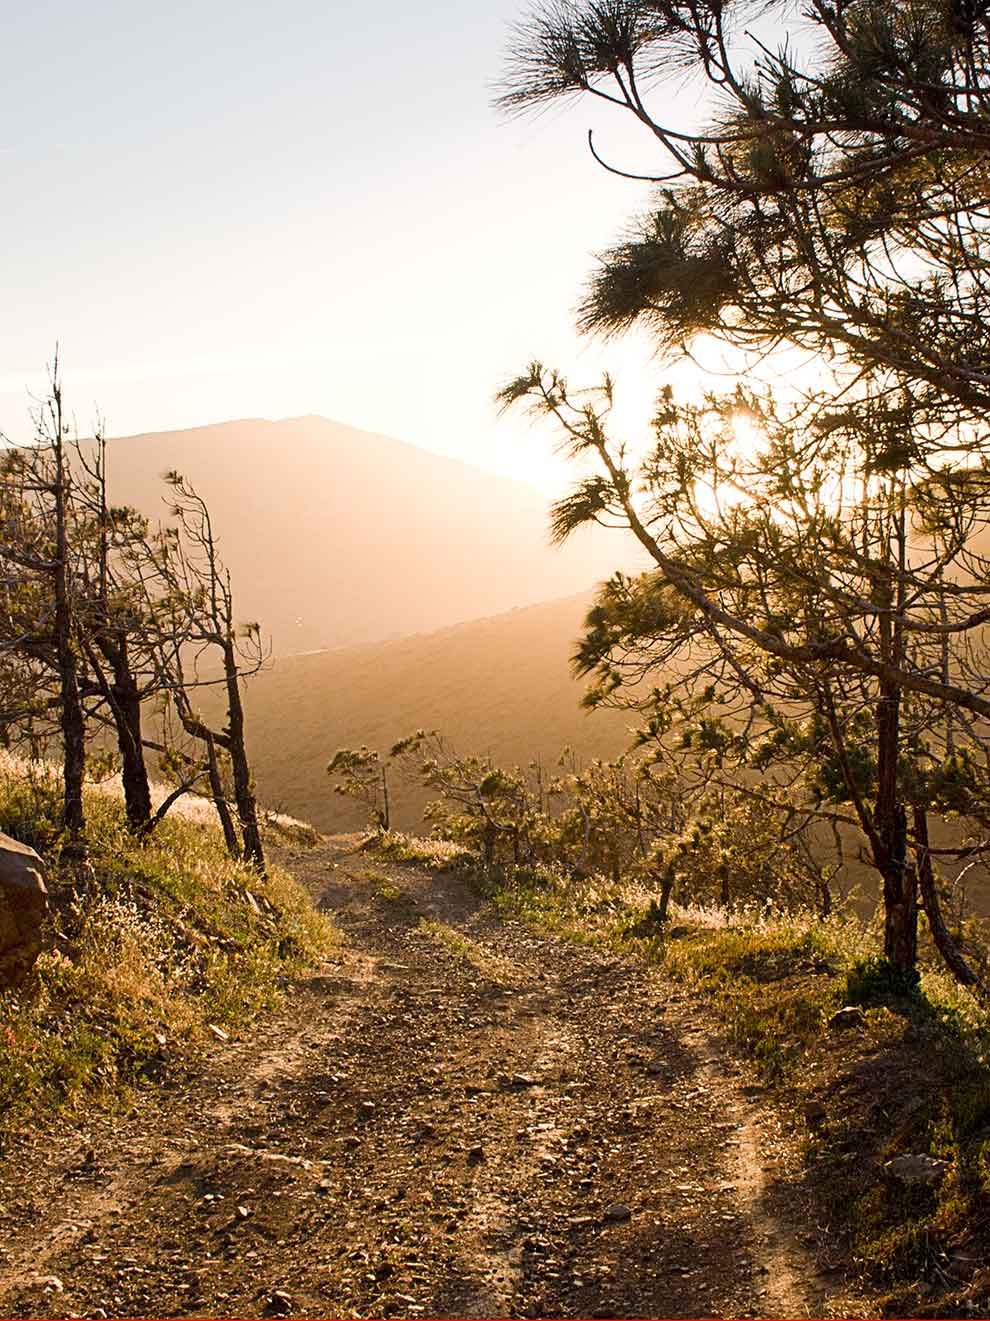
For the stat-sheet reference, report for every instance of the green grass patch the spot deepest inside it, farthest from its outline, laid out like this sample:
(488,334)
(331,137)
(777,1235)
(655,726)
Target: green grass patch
(594,911)
(911,1079)
(392,894)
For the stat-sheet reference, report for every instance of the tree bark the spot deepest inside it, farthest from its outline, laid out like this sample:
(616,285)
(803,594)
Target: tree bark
(220,798)
(946,946)
(900,888)
(71,717)
(247,809)
(125,704)
(134,772)
(666,890)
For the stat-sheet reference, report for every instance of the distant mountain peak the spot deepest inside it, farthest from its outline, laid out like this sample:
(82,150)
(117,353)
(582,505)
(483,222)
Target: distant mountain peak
(362,538)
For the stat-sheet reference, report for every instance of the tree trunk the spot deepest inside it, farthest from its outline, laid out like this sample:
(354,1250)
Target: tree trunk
(126,706)
(666,890)
(71,717)
(900,887)
(247,809)
(900,911)
(134,772)
(73,727)
(946,946)
(385,813)
(220,798)
(824,898)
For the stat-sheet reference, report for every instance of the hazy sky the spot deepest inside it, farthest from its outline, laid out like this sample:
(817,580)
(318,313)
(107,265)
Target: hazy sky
(224,210)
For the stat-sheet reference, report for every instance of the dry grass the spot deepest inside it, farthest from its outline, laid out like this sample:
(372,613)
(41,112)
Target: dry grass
(149,943)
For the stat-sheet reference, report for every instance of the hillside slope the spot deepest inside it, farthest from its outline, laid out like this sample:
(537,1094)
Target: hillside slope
(337,536)
(499,685)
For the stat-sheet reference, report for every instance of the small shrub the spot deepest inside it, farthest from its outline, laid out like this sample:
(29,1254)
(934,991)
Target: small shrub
(874,980)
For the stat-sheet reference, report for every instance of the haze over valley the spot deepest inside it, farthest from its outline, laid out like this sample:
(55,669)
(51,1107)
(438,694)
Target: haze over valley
(336,536)
(499,686)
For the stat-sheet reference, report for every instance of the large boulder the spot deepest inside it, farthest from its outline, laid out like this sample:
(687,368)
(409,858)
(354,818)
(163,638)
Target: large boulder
(23,905)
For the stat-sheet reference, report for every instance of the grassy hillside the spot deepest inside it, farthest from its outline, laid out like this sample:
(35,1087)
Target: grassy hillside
(499,685)
(152,947)
(337,536)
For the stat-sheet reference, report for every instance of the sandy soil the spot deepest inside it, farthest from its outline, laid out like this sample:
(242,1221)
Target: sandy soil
(456,1118)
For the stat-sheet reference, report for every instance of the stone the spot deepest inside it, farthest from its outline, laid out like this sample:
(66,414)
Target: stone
(918,1169)
(279,1303)
(23,906)
(845,1018)
(815,1114)
(476,1155)
(520,1081)
(618,1213)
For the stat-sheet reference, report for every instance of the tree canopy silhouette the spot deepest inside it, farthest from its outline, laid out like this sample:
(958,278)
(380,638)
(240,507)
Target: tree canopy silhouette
(835,196)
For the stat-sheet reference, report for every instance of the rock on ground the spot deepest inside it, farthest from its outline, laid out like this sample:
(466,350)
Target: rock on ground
(23,905)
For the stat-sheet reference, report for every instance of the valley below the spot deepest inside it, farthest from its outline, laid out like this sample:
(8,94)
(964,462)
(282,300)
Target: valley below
(498,687)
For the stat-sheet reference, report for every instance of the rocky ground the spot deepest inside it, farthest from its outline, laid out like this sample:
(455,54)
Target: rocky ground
(457,1118)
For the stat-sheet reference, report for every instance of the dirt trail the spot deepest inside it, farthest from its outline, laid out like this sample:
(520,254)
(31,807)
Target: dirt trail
(458,1118)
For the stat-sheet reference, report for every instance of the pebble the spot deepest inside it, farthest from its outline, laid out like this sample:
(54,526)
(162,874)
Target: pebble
(847,1017)
(920,1169)
(815,1114)
(618,1212)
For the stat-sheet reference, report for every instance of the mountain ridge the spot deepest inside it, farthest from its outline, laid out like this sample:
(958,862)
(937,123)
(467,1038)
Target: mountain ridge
(337,536)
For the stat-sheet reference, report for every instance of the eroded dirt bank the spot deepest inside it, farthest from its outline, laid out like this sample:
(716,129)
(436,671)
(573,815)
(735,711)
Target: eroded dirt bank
(457,1118)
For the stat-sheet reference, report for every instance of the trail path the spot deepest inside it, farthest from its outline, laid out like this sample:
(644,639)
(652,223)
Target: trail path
(458,1118)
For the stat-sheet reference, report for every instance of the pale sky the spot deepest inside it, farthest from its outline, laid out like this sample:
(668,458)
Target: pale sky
(228,210)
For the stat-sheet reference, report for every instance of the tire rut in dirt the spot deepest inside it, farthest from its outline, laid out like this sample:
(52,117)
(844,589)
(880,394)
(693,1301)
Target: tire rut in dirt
(535,1133)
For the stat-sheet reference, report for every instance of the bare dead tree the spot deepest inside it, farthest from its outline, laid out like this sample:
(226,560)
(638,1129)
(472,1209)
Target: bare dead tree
(37,555)
(190,624)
